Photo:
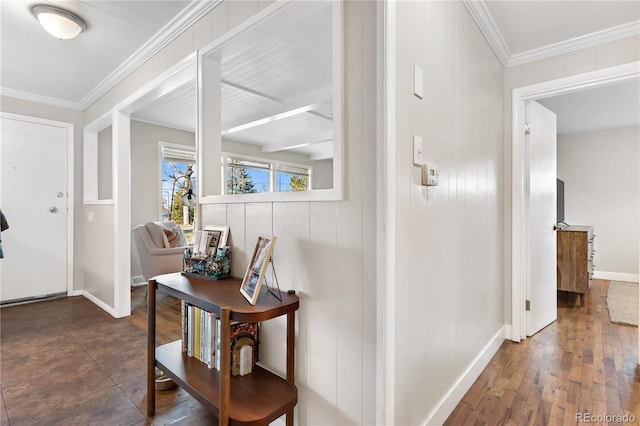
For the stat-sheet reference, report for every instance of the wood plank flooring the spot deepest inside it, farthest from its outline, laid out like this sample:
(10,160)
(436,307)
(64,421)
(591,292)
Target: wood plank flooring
(67,362)
(582,364)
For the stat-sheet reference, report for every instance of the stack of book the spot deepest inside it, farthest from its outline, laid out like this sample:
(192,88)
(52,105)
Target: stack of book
(201,340)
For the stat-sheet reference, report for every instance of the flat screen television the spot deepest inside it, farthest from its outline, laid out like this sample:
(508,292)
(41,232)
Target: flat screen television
(560,201)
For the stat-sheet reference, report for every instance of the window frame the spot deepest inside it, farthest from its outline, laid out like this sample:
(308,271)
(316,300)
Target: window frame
(271,166)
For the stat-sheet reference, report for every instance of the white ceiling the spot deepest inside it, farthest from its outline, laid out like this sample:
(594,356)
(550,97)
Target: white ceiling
(529,25)
(596,109)
(121,35)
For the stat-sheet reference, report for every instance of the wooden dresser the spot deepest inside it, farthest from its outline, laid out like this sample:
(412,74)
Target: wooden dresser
(575,259)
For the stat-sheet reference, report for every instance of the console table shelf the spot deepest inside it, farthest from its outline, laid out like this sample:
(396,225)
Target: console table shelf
(257,398)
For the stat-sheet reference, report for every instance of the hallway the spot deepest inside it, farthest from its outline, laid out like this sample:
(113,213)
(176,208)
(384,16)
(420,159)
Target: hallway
(582,364)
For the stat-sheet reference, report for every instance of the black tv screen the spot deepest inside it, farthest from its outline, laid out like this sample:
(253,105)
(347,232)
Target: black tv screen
(560,203)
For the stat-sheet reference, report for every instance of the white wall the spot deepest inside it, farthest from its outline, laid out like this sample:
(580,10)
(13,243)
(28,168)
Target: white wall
(105,164)
(98,262)
(593,58)
(600,171)
(146,174)
(325,250)
(448,284)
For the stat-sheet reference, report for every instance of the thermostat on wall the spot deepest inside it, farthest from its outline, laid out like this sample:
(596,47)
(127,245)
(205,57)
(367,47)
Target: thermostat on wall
(430,175)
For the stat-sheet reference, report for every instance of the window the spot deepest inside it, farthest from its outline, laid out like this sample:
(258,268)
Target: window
(291,178)
(178,176)
(247,175)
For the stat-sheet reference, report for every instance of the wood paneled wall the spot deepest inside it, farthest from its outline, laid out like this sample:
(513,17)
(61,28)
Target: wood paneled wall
(449,238)
(326,252)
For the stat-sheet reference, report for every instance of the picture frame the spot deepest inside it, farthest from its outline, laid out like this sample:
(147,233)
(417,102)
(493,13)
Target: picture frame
(253,277)
(220,234)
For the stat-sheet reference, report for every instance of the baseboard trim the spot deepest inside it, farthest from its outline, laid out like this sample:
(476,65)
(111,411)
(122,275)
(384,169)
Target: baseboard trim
(508,333)
(111,311)
(138,280)
(450,400)
(616,276)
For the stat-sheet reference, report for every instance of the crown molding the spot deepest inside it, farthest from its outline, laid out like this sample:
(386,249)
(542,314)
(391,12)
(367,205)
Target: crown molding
(185,19)
(489,29)
(31,97)
(168,33)
(588,40)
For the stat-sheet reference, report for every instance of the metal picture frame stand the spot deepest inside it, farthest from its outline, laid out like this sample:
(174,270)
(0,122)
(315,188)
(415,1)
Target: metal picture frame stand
(275,276)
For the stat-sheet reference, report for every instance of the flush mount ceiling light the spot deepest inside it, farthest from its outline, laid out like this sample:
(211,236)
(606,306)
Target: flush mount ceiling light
(58,22)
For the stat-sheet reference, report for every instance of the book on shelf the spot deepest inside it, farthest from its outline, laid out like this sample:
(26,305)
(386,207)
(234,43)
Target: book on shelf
(201,340)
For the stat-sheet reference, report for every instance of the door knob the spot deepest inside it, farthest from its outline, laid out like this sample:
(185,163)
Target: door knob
(59,194)
(53,209)
(555,227)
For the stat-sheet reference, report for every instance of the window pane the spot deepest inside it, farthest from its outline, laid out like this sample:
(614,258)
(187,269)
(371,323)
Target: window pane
(286,182)
(246,177)
(246,180)
(175,182)
(291,178)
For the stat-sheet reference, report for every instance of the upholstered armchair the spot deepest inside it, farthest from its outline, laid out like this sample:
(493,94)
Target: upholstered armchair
(160,247)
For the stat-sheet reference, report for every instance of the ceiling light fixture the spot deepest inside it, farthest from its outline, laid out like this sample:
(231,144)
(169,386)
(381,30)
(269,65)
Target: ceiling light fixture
(58,22)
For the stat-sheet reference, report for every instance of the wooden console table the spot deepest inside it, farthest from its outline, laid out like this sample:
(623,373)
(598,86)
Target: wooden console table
(257,398)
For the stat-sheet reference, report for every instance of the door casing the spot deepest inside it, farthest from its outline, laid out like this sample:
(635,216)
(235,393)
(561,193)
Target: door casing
(519,201)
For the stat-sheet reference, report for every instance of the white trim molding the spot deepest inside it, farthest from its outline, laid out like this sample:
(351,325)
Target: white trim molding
(481,15)
(386,364)
(489,29)
(31,97)
(445,406)
(616,276)
(98,302)
(599,37)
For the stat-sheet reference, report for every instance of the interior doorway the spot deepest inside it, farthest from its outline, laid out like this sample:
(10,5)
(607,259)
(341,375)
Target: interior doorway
(520,200)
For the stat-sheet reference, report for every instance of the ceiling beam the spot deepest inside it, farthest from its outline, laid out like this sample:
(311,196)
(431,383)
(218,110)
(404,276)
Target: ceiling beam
(324,153)
(253,92)
(323,137)
(269,119)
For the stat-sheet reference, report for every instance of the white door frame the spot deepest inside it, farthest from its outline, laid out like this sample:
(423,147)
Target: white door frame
(519,219)
(69,127)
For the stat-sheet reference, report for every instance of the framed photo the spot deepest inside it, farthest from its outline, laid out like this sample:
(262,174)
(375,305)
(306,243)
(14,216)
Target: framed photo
(257,268)
(219,235)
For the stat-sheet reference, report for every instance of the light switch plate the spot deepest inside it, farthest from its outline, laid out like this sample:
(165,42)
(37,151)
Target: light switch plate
(417,81)
(417,150)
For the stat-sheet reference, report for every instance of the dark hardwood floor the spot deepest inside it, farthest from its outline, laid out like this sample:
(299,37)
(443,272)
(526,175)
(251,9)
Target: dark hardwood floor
(582,364)
(68,362)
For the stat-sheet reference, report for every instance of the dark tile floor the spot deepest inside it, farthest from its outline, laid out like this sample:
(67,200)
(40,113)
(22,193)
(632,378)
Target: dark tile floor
(68,362)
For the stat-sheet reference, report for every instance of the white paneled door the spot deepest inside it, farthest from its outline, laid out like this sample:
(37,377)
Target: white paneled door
(33,196)
(541,287)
